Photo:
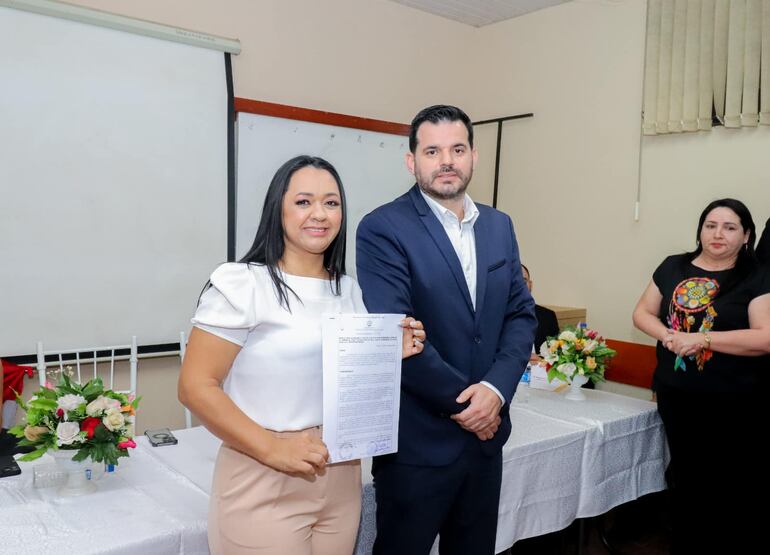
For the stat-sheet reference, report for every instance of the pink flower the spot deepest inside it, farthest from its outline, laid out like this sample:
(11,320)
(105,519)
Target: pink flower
(127,444)
(592,334)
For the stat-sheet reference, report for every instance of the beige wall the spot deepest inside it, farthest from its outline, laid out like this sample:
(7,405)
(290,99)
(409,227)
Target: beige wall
(569,175)
(156,385)
(368,58)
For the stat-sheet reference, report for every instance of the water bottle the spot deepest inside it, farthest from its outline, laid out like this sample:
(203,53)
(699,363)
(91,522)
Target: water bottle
(522,392)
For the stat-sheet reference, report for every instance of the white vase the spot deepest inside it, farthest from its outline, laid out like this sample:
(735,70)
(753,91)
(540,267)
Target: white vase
(575,392)
(81,475)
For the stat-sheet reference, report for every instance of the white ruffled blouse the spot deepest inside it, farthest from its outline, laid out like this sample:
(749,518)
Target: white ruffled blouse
(277,377)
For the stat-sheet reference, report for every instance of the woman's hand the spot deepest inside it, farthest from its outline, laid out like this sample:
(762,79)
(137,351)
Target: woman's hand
(414,335)
(300,454)
(684,344)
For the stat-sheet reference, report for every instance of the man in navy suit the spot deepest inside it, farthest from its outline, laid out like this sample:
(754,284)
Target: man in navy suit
(435,255)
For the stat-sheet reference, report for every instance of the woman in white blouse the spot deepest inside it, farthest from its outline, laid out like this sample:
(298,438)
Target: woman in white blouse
(253,375)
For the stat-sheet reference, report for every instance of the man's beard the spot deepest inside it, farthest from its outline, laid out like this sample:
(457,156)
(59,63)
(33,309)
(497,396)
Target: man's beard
(444,194)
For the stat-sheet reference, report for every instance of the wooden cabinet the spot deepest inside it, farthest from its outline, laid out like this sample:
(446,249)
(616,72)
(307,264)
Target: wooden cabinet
(568,315)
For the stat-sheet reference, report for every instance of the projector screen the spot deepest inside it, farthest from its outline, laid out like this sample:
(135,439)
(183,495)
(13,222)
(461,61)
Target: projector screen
(113,183)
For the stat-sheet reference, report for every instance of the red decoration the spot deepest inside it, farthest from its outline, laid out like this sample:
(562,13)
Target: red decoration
(13,379)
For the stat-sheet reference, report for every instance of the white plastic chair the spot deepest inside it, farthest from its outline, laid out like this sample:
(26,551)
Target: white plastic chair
(182,350)
(92,359)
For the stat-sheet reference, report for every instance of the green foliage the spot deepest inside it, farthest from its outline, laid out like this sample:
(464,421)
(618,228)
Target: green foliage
(579,347)
(41,411)
(34,454)
(93,389)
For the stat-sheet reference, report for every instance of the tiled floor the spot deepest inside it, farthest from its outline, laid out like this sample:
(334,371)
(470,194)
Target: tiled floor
(636,528)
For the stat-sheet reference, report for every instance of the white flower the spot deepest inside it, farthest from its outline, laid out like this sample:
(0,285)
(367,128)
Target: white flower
(544,350)
(96,407)
(567,336)
(590,345)
(551,358)
(568,369)
(67,433)
(113,419)
(101,405)
(70,402)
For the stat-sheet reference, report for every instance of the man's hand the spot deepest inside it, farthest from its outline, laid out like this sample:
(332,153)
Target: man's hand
(483,410)
(489,432)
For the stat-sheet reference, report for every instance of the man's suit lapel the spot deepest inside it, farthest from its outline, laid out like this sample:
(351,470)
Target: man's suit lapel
(439,236)
(482,239)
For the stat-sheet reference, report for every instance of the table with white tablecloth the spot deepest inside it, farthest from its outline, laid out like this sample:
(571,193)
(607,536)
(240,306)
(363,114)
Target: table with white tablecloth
(564,460)
(145,506)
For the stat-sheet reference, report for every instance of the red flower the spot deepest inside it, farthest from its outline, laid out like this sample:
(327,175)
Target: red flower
(88,425)
(60,412)
(127,444)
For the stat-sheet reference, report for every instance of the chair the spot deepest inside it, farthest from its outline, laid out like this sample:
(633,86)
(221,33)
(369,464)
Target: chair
(93,356)
(182,350)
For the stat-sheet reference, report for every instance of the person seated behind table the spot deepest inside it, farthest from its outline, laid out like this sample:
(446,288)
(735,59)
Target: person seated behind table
(547,324)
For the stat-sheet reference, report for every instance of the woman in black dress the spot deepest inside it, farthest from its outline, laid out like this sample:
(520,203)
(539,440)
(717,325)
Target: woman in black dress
(709,311)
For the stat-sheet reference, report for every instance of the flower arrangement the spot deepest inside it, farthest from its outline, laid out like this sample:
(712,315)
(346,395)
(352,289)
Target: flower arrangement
(576,351)
(86,419)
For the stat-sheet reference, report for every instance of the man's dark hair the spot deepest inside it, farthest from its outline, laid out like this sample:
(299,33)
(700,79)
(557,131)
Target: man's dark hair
(436,114)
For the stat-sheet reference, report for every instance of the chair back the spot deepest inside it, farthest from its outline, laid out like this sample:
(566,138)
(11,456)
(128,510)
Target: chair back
(86,360)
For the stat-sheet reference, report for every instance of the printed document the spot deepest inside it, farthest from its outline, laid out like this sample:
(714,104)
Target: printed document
(361,384)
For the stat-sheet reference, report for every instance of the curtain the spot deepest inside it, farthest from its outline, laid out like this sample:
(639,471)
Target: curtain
(706,57)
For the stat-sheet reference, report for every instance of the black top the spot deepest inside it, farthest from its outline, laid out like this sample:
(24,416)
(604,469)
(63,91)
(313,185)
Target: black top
(763,246)
(547,325)
(696,300)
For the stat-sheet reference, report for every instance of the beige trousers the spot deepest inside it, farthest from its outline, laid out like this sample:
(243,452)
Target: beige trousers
(256,510)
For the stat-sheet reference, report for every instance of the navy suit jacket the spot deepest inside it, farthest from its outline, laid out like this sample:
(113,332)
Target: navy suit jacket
(406,264)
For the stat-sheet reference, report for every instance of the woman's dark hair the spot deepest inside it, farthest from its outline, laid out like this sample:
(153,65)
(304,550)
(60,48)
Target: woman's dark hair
(268,246)
(747,260)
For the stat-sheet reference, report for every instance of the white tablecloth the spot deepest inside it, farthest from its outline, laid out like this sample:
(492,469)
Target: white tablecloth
(576,459)
(564,460)
(143,507)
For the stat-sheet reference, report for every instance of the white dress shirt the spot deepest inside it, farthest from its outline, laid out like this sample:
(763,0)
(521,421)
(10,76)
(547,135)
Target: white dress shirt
(463,239)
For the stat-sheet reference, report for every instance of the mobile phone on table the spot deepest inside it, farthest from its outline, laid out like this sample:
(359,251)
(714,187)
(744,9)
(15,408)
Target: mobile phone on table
(8,466)
(160,437)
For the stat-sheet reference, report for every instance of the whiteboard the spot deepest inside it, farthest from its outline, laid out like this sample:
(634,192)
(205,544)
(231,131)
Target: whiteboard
(113,183)
(371,166)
